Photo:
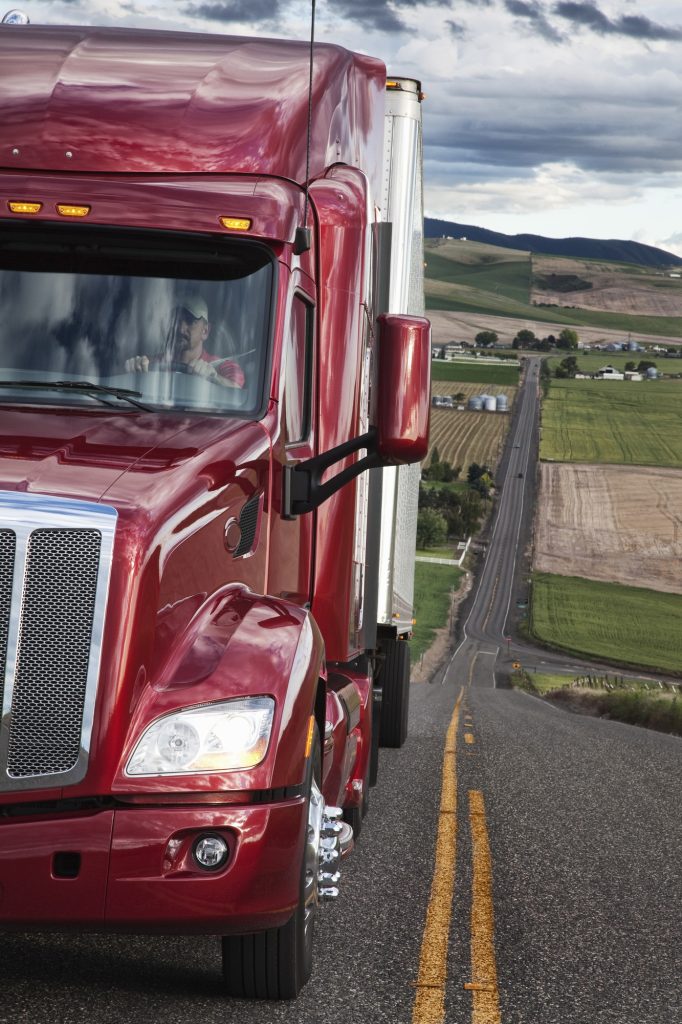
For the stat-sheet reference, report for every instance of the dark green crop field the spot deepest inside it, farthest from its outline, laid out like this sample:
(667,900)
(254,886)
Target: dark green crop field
(474,373)
(625,625)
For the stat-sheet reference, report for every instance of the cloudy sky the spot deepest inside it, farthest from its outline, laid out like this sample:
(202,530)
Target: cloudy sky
(558,117)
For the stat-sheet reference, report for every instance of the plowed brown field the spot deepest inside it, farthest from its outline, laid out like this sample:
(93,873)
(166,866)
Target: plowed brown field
(642,291)
(619,524)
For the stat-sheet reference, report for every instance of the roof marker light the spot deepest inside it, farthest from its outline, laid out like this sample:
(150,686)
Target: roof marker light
(21,206)
(69,210)
(236,223)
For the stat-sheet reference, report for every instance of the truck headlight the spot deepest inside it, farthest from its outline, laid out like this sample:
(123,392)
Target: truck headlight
(210,738)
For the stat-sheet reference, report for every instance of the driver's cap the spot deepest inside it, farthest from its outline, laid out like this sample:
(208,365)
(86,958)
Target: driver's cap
(194,304)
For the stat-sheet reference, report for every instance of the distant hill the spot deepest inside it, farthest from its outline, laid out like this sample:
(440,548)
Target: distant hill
(585,248)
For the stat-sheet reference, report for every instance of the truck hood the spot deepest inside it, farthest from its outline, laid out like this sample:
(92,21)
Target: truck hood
(85,454)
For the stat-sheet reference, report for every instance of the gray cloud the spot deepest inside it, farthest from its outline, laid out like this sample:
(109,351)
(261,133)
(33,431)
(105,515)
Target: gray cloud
(383,15)
(235,10)
(535,15)
(635,26)
(619,129)
(457,31)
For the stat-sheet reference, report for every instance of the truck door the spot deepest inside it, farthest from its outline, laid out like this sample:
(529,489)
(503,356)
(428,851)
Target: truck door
(290,567)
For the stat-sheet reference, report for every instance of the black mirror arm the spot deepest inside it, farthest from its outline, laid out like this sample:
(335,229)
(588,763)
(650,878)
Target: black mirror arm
(303,489)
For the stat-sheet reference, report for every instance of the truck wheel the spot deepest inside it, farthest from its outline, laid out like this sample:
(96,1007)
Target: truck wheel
(277,963)
(395,689)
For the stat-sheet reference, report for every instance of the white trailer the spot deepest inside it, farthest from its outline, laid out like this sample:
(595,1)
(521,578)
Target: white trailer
(403,279)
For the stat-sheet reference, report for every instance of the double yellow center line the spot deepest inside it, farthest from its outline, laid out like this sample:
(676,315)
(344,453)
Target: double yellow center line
(429,1005)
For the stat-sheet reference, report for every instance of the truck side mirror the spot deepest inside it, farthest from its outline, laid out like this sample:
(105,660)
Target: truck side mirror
(404,389)
(401,433)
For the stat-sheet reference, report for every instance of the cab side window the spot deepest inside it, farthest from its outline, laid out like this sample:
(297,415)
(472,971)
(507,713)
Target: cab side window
(298,371)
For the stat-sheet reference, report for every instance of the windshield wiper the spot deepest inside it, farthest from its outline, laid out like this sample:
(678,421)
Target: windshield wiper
(84,386)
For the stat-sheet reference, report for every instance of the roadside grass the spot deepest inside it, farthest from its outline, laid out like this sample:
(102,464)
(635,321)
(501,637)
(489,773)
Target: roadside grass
(620,422)
(544,682)
(443,552)
(433,585)
(628,626)
(474,372)
(633,701)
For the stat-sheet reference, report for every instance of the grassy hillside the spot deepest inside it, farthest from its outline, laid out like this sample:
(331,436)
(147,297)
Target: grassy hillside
(580,248)
(471,277)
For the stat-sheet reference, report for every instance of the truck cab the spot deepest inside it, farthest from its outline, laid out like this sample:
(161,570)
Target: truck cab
(194,378)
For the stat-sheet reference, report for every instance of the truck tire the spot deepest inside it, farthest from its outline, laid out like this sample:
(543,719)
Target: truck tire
(276,964)
(395,693)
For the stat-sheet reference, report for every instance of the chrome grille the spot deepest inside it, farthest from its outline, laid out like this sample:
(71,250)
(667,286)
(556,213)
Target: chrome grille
(54,651)
(8,543)
(55,560)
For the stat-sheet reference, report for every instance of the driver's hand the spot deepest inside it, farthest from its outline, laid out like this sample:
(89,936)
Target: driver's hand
(138,364)
(204,369)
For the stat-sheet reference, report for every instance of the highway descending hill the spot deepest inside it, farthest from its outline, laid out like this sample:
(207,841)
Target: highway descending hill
(520,865)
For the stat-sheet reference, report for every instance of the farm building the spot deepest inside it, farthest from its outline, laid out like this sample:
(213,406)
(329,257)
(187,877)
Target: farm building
(609,373)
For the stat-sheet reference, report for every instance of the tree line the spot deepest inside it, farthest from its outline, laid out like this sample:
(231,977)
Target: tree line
(447,514)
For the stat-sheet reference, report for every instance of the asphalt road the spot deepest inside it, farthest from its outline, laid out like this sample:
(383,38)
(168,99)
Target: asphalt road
(519,865)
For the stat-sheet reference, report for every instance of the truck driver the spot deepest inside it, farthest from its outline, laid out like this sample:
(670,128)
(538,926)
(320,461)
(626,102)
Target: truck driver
(185,350)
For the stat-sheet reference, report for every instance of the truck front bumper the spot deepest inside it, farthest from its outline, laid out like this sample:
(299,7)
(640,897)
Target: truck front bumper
(134,869)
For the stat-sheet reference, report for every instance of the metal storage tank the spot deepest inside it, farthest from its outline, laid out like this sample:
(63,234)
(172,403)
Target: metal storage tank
(490,403)
(475,403)
(652,373)
(502,403)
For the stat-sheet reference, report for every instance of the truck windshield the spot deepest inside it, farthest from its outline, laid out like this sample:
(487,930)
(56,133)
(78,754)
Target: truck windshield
(175,323)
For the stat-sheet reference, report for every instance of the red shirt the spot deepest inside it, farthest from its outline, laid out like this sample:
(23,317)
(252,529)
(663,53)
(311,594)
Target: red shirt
(225,368)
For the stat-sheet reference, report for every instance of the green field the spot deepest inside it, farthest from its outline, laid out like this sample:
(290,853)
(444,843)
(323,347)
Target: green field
(474,373)
(432,586)
(592,361)
(624,625)
(638,424)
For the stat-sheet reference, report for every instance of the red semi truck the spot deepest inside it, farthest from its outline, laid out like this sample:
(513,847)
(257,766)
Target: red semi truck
(210,346)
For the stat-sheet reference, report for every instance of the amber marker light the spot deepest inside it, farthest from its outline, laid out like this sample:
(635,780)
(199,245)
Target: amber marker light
(309,738)
(21,206)
(236,223)
(69,210)
(391,84)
